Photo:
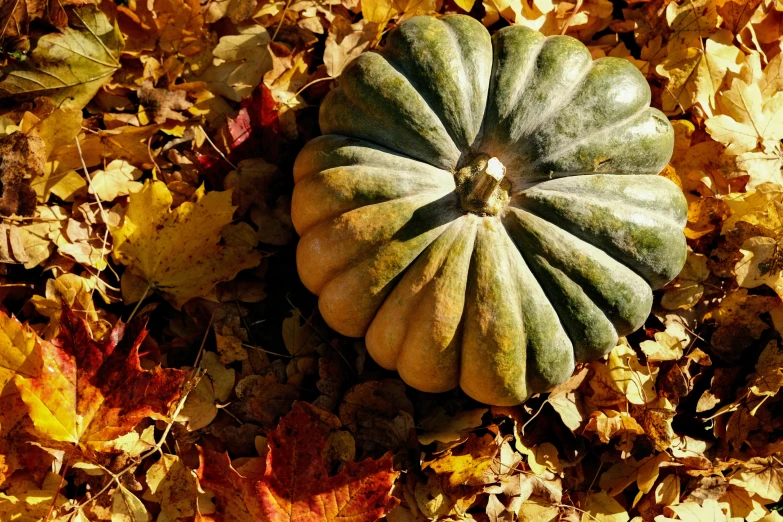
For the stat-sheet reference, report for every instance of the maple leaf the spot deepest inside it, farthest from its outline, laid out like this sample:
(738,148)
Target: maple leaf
(695,71)
(709,511)
(117,179)
(241,60)
(687,289)
(296,485)
(768,378)
(70,66)
(345,42)
(751,129)
(89,392)
(178,253)
(170,26)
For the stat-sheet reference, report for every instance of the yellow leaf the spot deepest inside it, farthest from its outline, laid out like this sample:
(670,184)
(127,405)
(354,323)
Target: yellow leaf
(378,11)
(627,471)
(665,347)
(126,507)
(685,291)
(696,71)
(600,507)
(608,424)
(20,352)
(757,207)
(119,179)
(65,185)
(59,128)
(635,380)
(697,18)
(33,503)
(75,292)
(540,458)
(667,492)
(241,60)
(762,476)
(768,378)
(42,234)
(174,486)
(741,505)
(760,264)
(178,252)
(746,120)
(709,511)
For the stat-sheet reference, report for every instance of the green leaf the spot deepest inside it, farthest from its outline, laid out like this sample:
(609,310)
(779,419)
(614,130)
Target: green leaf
(70,66)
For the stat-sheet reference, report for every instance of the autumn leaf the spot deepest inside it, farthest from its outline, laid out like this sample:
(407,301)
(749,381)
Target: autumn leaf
(118,179)
(692,512)
(603,508)
(89,392)
(687,289)
(448,428)
(242,60)
(178,252)
(296,484)
(70,66)
(695,71)
(751,129)
(345,42)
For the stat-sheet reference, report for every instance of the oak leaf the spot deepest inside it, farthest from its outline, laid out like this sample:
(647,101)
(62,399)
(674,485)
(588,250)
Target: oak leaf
(70,66)
(90,392)
(177,252)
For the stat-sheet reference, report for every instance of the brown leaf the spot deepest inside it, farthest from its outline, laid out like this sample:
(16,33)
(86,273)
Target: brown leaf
(20,157)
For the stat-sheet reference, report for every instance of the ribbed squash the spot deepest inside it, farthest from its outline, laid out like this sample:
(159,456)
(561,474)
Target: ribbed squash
(487,211)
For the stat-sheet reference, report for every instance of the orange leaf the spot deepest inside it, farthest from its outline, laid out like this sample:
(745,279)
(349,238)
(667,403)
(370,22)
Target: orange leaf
(91,392)
(296,483)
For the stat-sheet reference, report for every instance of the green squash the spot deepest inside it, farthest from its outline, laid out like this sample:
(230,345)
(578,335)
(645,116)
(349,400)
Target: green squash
(487,211)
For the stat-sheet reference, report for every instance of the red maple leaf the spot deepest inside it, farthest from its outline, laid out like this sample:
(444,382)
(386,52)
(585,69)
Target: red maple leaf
(296,486)
(91,392)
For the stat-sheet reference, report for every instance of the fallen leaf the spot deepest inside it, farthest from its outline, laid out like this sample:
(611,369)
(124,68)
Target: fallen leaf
(448,428)
(297,485)
(173,486)
(20,157)
(92,392)
(602,508)
(345,42)
(69,66)
(178,252)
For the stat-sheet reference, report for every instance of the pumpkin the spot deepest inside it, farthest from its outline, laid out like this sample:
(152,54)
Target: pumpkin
(487,210)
